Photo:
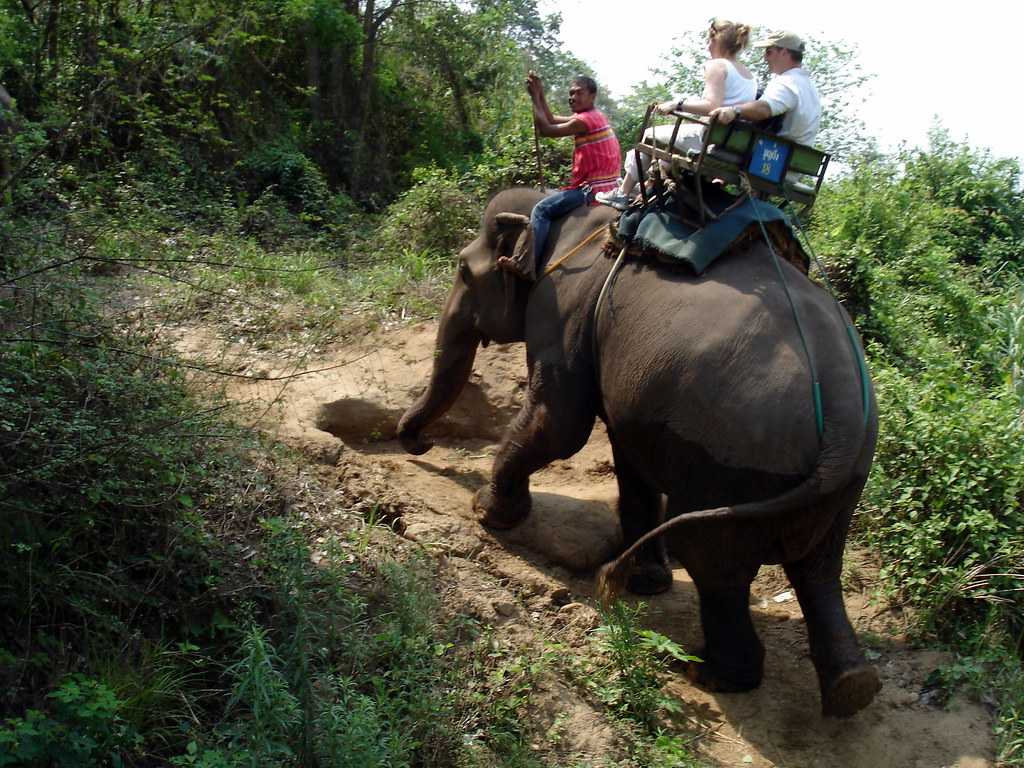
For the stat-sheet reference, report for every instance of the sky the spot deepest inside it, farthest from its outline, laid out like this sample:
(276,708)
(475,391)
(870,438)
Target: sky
(959,62)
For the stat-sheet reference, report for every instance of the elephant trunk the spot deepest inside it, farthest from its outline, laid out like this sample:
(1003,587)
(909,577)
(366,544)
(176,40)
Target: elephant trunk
(456,349)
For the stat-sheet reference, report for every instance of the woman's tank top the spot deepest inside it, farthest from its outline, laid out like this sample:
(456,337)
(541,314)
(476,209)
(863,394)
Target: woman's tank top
(737,88)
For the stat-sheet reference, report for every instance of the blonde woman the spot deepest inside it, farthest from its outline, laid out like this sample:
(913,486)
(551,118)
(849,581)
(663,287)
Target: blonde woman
(726,82)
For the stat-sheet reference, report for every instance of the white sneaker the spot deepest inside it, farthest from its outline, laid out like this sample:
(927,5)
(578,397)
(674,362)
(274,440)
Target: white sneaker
(614,198)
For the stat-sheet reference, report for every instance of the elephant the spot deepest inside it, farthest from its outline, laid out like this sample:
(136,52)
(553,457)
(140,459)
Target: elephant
(704,386)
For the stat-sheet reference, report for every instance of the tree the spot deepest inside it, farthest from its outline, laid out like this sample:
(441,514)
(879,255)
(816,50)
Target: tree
(6,131)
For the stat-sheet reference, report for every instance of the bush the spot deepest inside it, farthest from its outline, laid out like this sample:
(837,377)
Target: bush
(945,500)
(94,462)
(84,728)
(924,250)
(631,680)
(439,213)
(294,177)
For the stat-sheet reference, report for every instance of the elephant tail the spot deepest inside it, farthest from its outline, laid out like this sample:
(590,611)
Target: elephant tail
(832,473)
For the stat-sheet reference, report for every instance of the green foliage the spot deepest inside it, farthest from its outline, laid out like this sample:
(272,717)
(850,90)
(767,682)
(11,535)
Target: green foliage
(631,682)
(267,714)
(363,94)
(84,728)
(899,251)
(627,116)
(986,667)
(95,455)
(945,498)
(329,23)
(1009,326)
(917,249)
(439,213)
(333,675)
(982,196)
(497,696)
(511,160)
(294,176)
(352,732)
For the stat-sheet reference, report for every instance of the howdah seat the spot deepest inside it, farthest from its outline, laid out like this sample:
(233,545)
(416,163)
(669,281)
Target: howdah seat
(739,154)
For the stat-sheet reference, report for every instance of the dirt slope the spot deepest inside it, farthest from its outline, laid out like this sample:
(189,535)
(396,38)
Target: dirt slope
(537,581)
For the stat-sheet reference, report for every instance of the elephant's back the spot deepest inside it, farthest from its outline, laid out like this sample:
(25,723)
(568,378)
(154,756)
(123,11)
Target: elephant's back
(717,363)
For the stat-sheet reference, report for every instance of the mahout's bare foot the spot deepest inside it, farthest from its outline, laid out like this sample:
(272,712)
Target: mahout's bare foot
(514,266)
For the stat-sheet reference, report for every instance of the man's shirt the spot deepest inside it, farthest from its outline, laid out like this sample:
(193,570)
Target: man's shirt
(596,158)
(793,95)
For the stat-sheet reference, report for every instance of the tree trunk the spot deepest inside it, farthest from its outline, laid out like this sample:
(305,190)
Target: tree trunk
(6,133)
(51,36)
(362,160)
(313,74)
(454,80)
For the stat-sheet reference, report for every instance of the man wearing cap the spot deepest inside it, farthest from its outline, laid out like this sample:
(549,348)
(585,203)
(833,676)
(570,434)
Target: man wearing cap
(789,93)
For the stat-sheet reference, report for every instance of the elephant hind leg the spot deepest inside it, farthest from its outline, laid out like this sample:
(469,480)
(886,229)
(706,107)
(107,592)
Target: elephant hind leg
(848,683)
(733,656)
(640,510)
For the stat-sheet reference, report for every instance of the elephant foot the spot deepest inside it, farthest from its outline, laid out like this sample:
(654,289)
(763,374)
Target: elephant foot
(650,578)
(414,443)
(712,678)
(849,693)
(500,513)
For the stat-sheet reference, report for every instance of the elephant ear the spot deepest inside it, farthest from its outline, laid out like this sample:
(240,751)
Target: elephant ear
(514,250)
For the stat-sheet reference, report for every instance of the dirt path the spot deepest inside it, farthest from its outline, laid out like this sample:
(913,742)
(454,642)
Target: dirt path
(537,581)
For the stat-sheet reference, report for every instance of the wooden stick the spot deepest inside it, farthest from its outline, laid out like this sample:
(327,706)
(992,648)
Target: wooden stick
(536,148)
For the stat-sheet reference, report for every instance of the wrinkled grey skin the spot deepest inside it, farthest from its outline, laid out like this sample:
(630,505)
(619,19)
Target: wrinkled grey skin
(704,387)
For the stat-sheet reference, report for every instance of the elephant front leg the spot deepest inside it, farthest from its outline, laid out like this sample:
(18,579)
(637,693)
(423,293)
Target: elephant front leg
(542,432)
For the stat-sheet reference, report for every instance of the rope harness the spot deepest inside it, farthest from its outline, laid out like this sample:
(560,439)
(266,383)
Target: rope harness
(552,267)
(858,355)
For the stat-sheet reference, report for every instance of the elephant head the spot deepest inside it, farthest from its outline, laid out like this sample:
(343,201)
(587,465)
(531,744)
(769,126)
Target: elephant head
(485,304)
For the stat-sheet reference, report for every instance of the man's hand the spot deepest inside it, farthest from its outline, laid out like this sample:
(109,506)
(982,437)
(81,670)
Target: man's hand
(725,115)
(534,86)
(665,107)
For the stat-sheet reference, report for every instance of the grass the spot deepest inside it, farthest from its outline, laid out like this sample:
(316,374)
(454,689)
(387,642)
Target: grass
(625,668)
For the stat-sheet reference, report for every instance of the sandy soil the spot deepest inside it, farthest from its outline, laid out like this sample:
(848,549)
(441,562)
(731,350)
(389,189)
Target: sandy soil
(536,581)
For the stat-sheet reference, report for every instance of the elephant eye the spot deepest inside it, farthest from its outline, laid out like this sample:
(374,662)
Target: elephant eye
(464,272)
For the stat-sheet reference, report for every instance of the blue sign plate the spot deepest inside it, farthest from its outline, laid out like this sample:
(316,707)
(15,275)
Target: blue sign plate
(768,160)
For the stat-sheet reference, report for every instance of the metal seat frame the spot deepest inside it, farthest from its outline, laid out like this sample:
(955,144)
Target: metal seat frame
(740,154)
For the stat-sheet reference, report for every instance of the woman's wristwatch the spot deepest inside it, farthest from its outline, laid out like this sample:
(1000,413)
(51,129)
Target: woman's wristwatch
(736,113)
